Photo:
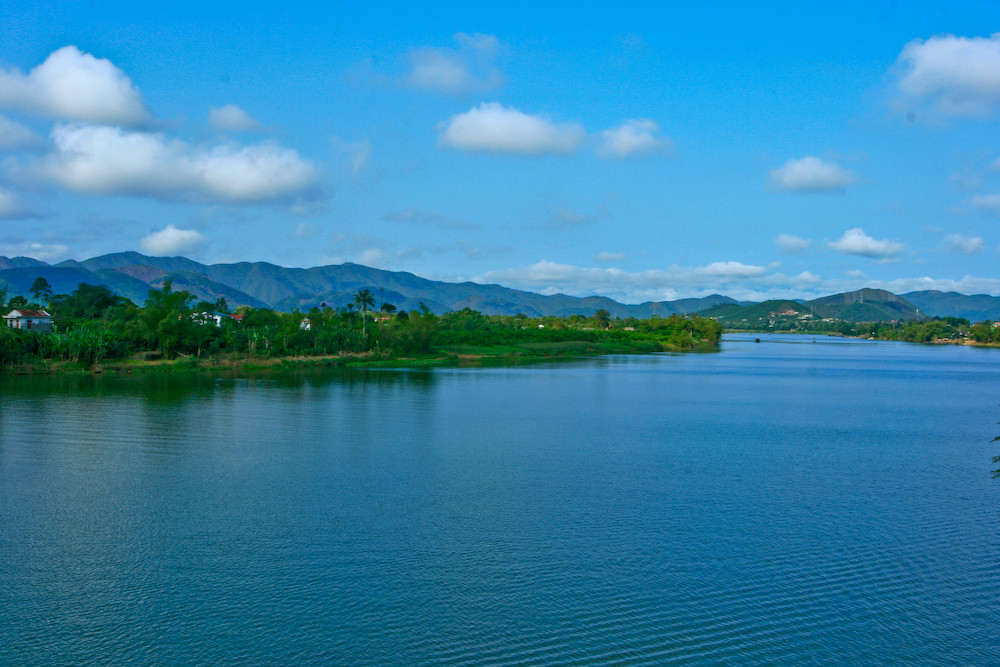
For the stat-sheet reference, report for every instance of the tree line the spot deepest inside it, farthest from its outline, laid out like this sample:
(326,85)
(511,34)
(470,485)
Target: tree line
(94,325)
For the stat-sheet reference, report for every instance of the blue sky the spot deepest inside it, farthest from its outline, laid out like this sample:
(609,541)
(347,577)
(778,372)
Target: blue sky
(643,151)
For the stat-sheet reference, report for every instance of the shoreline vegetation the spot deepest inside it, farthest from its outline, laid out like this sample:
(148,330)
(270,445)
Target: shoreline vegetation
(96,331)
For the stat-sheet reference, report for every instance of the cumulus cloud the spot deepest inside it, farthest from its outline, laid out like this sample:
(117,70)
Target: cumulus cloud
(16,137)
(856,242)
(491,127)
(790,243)
(45,252)
(171,241)
(811,174)
(965,285)
(610,257)
(106,160)
(956,76)
(469,68)
(633,138)
(807,277)
(730,270)
(231,118)
(72,85)
(967,245)
(549,277)
(988,203)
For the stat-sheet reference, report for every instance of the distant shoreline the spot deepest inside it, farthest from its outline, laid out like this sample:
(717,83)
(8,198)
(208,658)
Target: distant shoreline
(469,356)
(451,356)
(836,334)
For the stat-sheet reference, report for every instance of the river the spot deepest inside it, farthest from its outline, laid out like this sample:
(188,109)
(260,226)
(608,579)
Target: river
(784,502)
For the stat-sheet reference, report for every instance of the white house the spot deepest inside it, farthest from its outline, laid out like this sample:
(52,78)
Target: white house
(34,320)
(204,317)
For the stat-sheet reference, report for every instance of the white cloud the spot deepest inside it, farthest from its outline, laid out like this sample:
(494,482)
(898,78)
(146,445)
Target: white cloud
(634,138)
(16,137)
(73,85)
(856,242)
(790,243)
(469,68)
(989,203)
(106,160)
(964,244)
(957,76)
(610,257)
(807,277)
(231,118)
(11,206)
(811,174)
(492,127)
(171,241)
(966,285)
(45,252)
(549,277)
(733,279)
(730,270)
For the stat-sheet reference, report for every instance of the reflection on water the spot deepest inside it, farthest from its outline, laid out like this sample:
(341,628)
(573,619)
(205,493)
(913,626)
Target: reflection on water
(783,502)
(180,386)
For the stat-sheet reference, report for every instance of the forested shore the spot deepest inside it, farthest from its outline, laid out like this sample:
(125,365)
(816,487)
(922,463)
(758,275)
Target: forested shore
(955,330)
(93,329)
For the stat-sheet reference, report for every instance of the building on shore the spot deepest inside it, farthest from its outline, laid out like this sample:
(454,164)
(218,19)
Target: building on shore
(29,320)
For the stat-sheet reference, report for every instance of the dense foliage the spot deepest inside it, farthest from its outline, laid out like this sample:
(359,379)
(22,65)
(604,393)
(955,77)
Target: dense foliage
(93,325)
(925,330)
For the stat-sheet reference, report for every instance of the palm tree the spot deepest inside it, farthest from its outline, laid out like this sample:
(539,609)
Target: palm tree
(364,300)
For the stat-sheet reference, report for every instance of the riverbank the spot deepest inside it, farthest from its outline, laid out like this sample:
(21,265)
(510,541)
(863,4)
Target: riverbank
(453,355)
(837,334)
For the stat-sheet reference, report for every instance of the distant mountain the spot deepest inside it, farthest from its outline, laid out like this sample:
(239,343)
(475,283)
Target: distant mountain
(261,284)
(975,308)
(62,280)
(755,311)
(258,284)
(19,263)
(867,305)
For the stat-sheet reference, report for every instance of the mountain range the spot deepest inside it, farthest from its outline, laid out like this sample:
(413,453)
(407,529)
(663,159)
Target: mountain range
(261,284)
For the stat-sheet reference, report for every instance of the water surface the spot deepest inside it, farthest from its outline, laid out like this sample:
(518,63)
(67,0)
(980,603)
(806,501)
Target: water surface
(781,502)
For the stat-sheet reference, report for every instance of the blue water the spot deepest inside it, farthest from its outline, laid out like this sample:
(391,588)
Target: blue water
(781,502)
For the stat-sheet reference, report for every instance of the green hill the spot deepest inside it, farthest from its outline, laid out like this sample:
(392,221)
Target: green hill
(132,274)
(975,307)
(865,305)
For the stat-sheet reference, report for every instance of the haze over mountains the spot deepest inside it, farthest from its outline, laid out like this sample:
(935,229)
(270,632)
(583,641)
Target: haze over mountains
(261,284)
